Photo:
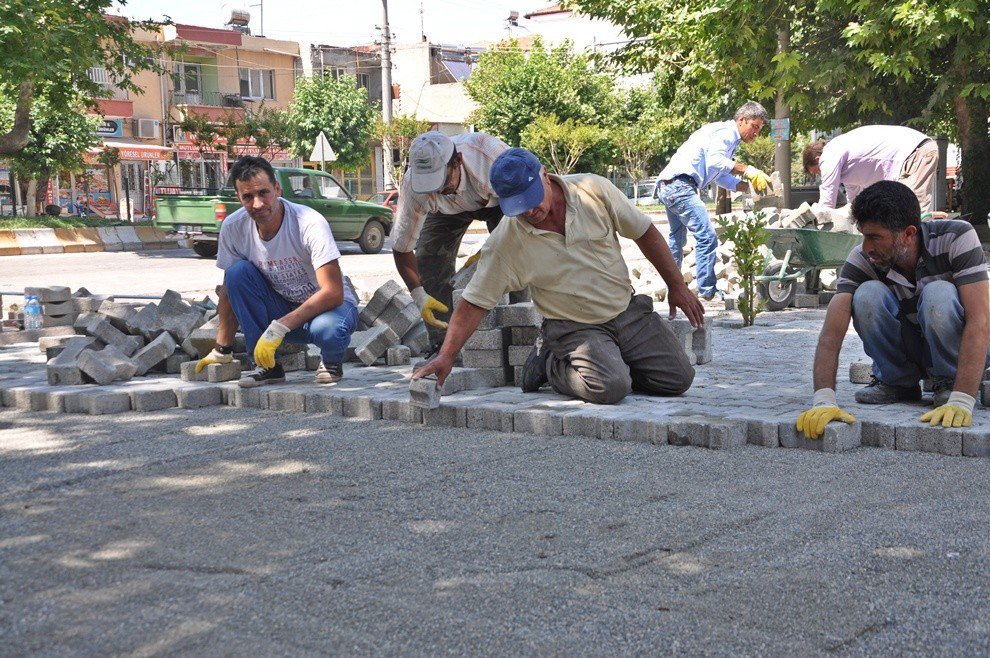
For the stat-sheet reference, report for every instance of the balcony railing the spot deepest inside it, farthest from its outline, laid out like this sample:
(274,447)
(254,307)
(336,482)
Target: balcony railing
(208,99)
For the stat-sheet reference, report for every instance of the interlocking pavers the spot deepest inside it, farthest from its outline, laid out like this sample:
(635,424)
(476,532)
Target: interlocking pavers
(860,372)
(106,332)
(63,369)
(98,403)
(483,358)
(153,353)
(522,314)
(423,393)
(537,420)
(106,365)
(922,437)
(976,444)
(878,434)
(49,293)
(281,399)
(838,437)
(152,399)
(119,314)
(198,397)
(401,410)
(398,355)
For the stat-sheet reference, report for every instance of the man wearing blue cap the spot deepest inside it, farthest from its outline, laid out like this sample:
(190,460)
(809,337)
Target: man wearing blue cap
(599,341)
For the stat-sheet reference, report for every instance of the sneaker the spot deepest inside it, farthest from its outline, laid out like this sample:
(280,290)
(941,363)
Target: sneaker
(263,377)
(941,389)
(534,371)
(876,392)
(329,374)
(713,294)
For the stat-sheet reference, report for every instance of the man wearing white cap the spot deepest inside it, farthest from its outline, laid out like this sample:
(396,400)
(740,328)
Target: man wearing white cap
(599,341)
(444,189)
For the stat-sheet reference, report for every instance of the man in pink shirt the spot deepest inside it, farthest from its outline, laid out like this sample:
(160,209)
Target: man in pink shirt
(868,154)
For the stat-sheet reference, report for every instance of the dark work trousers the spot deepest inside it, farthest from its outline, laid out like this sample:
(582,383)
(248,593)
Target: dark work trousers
(436,254)
(603,363)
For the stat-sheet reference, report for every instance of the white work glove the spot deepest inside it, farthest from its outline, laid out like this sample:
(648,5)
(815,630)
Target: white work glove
(428,306)
(956,412)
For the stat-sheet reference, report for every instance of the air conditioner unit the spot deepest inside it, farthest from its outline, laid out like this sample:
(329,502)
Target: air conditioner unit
(147,128)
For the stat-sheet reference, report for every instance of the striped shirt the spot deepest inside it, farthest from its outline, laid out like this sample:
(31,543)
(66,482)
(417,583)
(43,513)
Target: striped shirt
(478,151)
(950,251)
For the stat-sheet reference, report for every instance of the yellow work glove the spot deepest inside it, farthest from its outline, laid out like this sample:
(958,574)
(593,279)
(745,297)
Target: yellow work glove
(264,351)
(215,356)
(956,412)
(824,410)
(428,306)
(758,178)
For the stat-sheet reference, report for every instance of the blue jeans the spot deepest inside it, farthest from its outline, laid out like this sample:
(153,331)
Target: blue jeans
(256,304)
(685,210)
(903,352)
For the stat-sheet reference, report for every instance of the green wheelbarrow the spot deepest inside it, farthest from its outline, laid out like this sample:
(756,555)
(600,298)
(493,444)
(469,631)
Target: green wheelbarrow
(797,253)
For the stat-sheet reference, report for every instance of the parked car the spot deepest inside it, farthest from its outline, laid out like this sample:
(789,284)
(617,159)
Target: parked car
(199,216)
(643,195)
(387,198)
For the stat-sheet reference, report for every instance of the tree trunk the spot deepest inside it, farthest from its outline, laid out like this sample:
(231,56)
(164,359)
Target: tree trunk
(14,141)
(782,153)
(972,115)
(32,198)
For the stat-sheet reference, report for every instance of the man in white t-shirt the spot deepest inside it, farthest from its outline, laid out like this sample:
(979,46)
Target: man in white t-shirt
(282,280)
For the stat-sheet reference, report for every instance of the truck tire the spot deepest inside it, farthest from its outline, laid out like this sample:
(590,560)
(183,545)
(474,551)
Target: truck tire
(206,249)
(372,237)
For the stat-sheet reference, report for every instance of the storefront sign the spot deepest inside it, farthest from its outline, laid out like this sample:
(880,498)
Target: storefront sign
(110,128)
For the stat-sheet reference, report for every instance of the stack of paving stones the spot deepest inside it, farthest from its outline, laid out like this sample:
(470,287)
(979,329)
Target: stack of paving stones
(390,320)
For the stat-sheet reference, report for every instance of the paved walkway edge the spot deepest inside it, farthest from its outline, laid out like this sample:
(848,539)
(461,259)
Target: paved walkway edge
(31,241)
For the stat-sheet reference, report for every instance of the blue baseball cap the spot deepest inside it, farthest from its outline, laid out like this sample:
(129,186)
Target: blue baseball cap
(515,178)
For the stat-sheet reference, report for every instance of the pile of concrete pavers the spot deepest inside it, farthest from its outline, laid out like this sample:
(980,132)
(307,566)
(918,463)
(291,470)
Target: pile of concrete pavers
(390,331)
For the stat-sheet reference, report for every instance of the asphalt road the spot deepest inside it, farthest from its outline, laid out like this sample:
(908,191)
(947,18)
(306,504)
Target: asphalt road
(241,532)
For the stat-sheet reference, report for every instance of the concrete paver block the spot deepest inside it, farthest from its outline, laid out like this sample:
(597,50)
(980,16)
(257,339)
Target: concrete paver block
(14,337)
(60,308)
(838,437)
(293,362)
(49,293)
(286,400)
(922,437)
(400,314)
(861,372)
(517,354)
(146,322)
(63,370)
(417,339)
(445,416)
(379,301)
(976,444)
(482,358)
(324,402)
(111,335)
(98,403)
(154,353)
(537,420)
(878,434)
(361,407)
(805,301)
(463,276)
(490,339)
(223,372)
(152,399)
(424,393)
(634,428)
(48,321)
(398,355)
(523,314)
(187,372)
(198,397)
(763,433)
(524,335)
(106,365)
(586,422)
(401,410)
(89,303)
(173,364)
(119,314)
(371,344)
(243,398)
(47,342)
(177,317)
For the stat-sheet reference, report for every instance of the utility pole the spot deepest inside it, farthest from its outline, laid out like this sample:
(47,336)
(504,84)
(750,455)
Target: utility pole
(782,155)
(386,96)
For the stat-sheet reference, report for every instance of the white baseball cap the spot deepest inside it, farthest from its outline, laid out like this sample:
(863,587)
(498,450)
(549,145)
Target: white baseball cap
(428,158)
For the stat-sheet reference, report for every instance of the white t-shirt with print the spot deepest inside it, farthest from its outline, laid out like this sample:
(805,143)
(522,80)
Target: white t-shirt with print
(289,260)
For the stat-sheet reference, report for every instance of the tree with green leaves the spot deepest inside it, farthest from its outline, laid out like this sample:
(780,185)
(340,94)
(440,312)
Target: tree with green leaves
(399,134)
(49,46)
(265,128)
(636,143)
(341,110)
(560,144)
(513,87)
(57,140)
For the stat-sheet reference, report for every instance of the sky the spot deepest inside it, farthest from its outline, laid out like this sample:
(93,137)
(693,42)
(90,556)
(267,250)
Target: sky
(349,22)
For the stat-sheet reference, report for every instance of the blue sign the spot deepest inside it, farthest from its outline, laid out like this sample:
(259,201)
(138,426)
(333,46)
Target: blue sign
(780,130)
(110,128)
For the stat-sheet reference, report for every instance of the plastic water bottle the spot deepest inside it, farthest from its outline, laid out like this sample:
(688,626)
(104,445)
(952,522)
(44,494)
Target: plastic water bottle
(32,313)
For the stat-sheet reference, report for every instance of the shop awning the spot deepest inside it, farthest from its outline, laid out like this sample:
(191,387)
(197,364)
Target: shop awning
(136,151)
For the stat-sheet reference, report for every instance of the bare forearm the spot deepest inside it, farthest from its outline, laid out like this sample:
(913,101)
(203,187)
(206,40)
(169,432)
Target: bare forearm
(463,323)
(830,341)
(405,263)
(972,357)
(228,321)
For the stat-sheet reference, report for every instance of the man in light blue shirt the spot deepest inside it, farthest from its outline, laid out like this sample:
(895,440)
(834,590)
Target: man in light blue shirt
(706,157)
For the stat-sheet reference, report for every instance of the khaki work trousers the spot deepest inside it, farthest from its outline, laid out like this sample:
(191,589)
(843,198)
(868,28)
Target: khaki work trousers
(603,363)
(919,171)
(436,255)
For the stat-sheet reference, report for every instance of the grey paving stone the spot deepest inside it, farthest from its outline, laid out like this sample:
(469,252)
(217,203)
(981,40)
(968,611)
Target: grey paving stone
(152,399)
(763,433)
(119,314)
(362,407)
(379,301)
(173,364)
(97,403)
(293,362)
(49,293)
(725,435)
(146,322)
(187,372)
(838,437)
(324,402)
(537,420)
(398,355)
(400,314)
(90,304)
(976,444)
(517,354)
(401,410)
(369,345)
(45,343)
(483,358)
(244,398)
(200,396)
(63,370)
(14,337)
(463,276)
(423,393)
(878,434)
(49,321)
(586,422)
(111,335)
(489,377)
(490,339)
(861,372)
(445,416)
(223,372)
(280,399)
(60,308)
(805,301)
(153,353)
(523,335)
(922,437)
(687,431)
(497,417)
(639,429)
(106,365)
(417,339)
(523,314)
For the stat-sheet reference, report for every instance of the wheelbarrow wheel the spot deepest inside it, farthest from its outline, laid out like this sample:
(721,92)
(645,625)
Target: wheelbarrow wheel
(778,295)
